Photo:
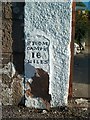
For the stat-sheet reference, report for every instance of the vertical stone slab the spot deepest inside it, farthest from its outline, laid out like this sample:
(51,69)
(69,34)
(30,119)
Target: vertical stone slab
(47,52)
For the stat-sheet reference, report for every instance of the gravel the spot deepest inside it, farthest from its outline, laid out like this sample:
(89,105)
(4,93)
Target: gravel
(73,111)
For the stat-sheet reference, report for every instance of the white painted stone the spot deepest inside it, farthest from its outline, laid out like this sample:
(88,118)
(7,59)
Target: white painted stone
(34,103)
(37,51)
(51,23)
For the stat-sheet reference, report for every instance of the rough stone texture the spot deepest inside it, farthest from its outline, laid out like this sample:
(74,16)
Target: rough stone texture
(12,85)
(11,95)
(6,58)
(7,35)
(8,11)
(12,54)
(6,95)
(0,59)
(6,27)
(51,21)
(17,89)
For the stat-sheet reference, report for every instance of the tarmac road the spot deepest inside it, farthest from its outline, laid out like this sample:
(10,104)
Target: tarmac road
(81,82)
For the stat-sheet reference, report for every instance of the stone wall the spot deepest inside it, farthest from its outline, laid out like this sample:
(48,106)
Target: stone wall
(12,53)
(0,58)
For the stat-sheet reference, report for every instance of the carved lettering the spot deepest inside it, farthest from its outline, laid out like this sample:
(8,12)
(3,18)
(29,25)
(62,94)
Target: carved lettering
(37,51)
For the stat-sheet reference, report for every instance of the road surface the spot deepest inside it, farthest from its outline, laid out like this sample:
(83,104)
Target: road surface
(81,82)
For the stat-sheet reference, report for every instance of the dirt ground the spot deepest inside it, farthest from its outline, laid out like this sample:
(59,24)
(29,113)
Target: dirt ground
(74,111)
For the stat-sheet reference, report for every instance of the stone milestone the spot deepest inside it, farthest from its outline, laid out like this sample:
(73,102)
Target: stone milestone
(47,53)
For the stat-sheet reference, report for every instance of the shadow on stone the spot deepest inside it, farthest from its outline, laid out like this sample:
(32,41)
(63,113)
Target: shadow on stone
(18,50)
(18,45)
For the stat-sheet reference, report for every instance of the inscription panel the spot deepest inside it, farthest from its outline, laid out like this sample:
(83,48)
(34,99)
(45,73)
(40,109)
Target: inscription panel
(37,52)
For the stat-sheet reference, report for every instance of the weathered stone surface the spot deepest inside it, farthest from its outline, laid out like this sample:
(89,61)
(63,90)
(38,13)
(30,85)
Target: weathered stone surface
(6,80)
(6,58)
(10,96)
(6,95)
(0,24)
(6,70)
(3,14)
(17,87)
(0,57)
(12,86)
(0,49)
(11,64)
(51,21)
(0,34)
(8,10)
(7,36)
(0,89)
